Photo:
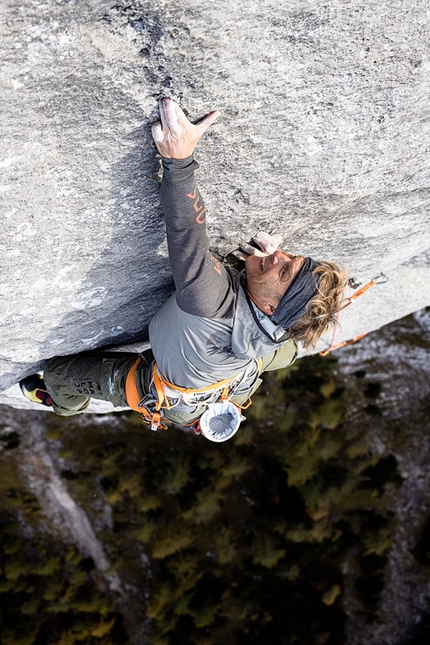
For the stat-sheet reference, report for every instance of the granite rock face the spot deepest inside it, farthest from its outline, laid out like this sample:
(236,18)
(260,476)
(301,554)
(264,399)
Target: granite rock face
(324,137)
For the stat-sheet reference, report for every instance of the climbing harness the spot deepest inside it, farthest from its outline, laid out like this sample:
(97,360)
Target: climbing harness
(381,278)
(222,415)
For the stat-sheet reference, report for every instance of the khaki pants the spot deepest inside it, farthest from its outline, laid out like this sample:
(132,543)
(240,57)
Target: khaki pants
(73,380)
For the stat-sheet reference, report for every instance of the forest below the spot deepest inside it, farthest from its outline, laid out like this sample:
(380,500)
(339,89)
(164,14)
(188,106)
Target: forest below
(281,535)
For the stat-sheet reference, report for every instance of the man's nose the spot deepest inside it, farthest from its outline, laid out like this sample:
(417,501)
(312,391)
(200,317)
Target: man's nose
(277,255)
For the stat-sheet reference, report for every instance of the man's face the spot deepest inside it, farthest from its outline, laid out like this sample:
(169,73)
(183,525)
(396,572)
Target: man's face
(268,278)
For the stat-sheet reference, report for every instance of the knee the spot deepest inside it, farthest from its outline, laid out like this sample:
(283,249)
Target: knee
(55,363)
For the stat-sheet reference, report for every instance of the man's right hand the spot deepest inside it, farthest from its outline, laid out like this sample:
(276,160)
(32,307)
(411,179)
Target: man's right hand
(175,136)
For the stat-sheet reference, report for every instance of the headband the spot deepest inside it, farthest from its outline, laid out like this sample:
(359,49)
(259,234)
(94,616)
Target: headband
(295,300)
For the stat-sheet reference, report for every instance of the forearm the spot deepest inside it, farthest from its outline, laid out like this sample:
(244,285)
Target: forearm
(183,207)
(200,279)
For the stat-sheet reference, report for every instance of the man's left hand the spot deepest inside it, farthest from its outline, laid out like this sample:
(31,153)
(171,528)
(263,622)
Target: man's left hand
(175,136)
(268,244)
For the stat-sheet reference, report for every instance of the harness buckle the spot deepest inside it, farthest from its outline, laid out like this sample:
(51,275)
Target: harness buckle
(155,421)
(148,402)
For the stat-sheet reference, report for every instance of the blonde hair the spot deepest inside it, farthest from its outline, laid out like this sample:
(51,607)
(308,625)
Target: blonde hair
(322,309)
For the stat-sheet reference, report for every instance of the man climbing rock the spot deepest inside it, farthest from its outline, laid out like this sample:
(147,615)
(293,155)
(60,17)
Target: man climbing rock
(220,330)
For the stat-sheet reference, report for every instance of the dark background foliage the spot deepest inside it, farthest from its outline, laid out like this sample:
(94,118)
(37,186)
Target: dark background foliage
(246,540)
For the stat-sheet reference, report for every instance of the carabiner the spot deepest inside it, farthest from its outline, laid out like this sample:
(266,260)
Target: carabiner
(381,278)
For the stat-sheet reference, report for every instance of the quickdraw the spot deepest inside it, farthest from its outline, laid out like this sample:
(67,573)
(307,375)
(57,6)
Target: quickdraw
(381,278)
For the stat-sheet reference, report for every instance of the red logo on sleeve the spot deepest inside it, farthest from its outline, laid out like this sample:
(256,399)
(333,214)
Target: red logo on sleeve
(198,207)
(217,264)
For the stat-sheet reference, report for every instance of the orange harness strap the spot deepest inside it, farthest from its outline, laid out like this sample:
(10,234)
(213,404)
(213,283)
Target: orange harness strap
(162,400)
(131,393)
(159,381)
(133,399)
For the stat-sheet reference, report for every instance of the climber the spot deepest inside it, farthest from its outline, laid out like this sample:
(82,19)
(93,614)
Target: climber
(220,330)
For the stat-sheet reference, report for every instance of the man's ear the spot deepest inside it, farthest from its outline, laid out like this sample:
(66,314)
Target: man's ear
(269,309)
